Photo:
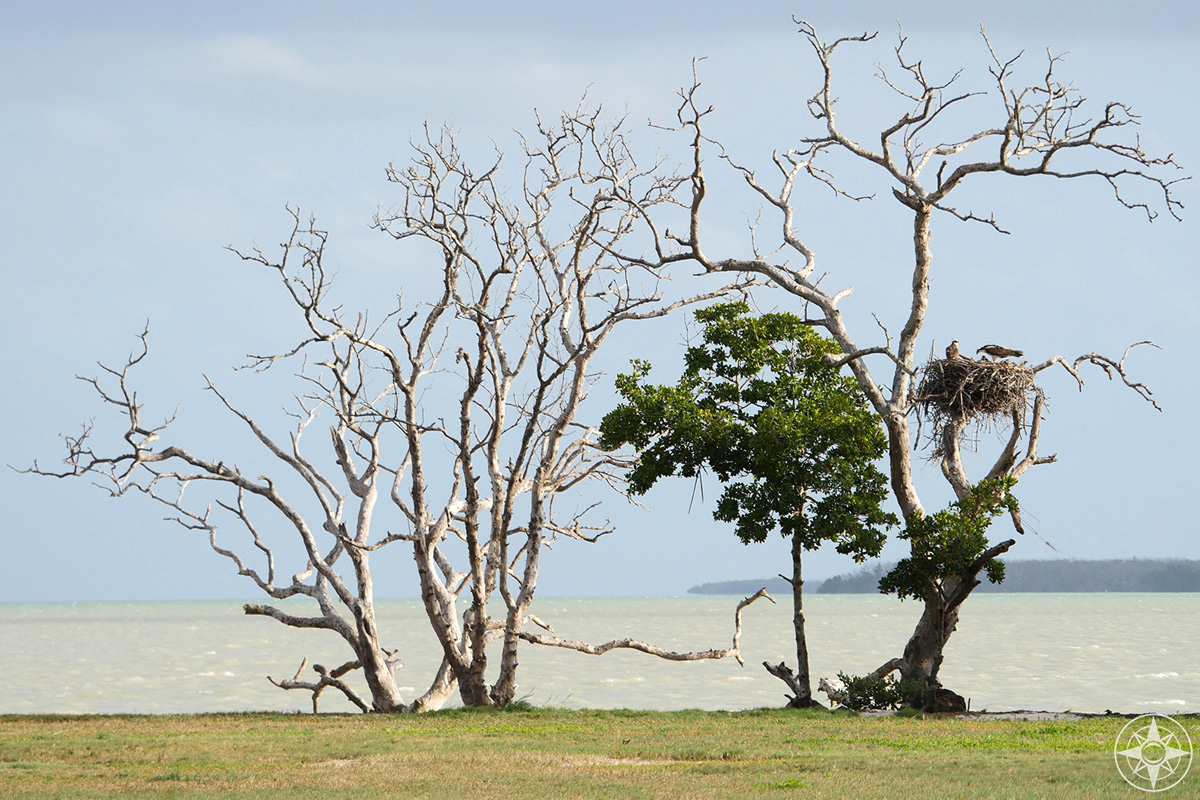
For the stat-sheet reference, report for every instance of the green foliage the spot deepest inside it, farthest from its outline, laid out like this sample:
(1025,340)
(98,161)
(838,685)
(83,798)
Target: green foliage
(793,442)
(869,692)
(520,706)
(789,783)
(909,712)
(950,541)
(872,692)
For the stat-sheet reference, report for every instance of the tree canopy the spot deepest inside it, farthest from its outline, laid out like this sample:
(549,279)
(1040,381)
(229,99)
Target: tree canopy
(791,439)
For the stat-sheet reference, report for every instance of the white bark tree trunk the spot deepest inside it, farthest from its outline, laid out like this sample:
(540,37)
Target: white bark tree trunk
(531,288)
(1034,126)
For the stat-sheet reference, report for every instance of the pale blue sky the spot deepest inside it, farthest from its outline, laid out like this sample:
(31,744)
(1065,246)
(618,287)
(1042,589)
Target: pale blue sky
(140,138)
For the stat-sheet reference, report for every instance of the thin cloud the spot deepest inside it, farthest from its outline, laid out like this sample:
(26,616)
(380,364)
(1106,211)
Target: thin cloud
(263,57)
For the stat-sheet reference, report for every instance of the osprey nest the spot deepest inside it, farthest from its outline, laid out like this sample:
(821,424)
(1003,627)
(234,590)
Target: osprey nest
(955,391)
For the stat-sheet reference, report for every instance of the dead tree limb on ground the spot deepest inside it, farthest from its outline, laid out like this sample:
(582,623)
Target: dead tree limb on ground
(669,655)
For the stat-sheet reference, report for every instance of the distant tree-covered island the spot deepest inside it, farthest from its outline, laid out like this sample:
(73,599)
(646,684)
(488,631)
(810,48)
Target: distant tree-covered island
(1063,575)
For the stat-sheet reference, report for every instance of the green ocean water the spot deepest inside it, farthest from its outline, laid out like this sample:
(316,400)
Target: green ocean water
(1082,652)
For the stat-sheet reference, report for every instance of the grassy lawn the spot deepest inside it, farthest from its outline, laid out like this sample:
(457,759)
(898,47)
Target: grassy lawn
(548,753)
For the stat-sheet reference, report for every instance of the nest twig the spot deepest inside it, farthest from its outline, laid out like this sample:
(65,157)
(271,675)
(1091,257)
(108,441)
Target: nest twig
(958,391)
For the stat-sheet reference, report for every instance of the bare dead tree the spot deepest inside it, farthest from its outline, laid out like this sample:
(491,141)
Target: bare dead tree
(1043,129)
(457,416)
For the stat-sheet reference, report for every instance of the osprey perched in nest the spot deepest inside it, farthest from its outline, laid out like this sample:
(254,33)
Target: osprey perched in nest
(952,351)
(996,351)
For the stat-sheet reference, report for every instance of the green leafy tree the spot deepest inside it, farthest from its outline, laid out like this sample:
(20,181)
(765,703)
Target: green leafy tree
(950,548)
(791,440)
(950,541)
(940,147)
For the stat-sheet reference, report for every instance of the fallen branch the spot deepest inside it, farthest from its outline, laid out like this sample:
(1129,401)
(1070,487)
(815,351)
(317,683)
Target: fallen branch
(654,650)
(327,679)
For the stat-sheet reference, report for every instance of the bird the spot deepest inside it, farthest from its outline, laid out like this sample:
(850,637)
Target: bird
(996,351)
(952,350)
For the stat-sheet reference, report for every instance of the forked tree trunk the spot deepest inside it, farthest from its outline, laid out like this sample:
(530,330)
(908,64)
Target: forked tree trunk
(378,668)
(385,696)
(472,681)
(923,654)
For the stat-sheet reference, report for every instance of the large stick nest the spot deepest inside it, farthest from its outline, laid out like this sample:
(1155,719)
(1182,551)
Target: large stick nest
(957,391)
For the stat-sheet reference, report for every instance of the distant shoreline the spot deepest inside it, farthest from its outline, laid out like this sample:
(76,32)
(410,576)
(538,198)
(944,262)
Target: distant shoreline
(1063,575)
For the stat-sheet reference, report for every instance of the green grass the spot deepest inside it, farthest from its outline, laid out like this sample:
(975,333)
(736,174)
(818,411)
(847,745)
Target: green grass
(549,753)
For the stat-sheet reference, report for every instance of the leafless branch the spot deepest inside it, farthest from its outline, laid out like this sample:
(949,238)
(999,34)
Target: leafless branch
(326,679)
(1112,368)
(654,650)
(1036,125)
(459,411)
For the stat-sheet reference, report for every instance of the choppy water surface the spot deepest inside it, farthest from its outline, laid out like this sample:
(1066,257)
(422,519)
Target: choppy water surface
(1084,652)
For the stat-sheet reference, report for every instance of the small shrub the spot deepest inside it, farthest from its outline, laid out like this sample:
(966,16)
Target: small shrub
(870,692)
(520,706)
(865,692)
